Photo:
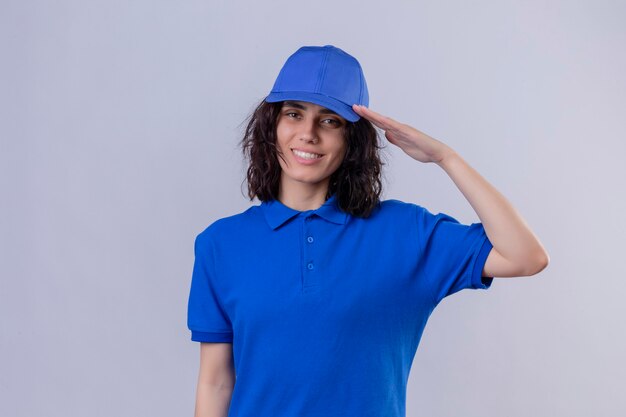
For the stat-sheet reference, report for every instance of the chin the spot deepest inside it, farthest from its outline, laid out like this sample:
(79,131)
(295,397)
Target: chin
(305,179)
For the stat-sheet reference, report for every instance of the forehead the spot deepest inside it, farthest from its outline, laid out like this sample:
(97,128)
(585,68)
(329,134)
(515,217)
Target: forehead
(305,105)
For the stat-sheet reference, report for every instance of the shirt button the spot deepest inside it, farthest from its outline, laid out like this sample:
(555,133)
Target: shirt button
(310,265)
(309,239)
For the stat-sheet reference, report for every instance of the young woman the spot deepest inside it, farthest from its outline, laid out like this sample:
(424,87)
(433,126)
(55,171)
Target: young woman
(313,302)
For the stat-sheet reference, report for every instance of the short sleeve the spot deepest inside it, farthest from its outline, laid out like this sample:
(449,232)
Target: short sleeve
(205,317)
(452,254)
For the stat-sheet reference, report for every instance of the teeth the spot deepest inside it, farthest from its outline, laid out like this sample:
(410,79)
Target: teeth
(306,155)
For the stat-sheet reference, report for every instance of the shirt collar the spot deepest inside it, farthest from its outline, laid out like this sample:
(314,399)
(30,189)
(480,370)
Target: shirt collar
(276,213)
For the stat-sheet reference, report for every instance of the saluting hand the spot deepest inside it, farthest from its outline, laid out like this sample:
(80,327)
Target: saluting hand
(414,143)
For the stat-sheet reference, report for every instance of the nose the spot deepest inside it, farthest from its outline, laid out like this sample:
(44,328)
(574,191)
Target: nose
(308,133)
(311,139)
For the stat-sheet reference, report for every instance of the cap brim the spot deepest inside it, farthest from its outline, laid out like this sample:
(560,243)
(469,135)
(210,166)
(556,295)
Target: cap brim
(330,103)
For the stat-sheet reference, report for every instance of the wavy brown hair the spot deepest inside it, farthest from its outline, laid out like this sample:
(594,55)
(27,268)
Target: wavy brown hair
(356,183)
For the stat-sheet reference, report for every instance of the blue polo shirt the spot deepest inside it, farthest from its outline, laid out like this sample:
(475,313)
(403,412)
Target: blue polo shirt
(325,310)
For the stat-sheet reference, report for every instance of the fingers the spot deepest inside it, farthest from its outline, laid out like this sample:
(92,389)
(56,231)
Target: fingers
(378,119)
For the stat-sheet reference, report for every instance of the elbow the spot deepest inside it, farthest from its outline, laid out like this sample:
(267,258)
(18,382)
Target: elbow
(539,264)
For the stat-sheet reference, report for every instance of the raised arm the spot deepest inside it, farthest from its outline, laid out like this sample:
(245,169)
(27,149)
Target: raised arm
(516,250)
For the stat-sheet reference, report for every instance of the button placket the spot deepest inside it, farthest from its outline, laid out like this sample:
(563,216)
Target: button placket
(310,275)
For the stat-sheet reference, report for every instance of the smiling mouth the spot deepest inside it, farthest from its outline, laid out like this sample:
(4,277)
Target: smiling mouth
(306,155)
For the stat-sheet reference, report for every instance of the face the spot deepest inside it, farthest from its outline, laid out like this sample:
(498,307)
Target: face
(311,139)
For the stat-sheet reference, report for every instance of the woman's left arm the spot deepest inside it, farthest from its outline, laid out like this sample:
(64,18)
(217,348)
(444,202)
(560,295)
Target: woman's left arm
(516,250)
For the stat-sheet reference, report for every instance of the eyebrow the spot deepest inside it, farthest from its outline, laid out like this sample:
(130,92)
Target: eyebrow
(324,110)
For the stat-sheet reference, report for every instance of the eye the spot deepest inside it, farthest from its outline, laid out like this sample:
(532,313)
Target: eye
(333,121)
(290,113)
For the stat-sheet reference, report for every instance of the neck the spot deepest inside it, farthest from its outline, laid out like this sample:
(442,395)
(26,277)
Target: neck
(303,198)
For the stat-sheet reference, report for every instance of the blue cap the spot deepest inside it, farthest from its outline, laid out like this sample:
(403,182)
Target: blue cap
(324,75)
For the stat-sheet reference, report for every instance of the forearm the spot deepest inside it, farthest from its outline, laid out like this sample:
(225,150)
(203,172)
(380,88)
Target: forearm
(504,226)
(212,400)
